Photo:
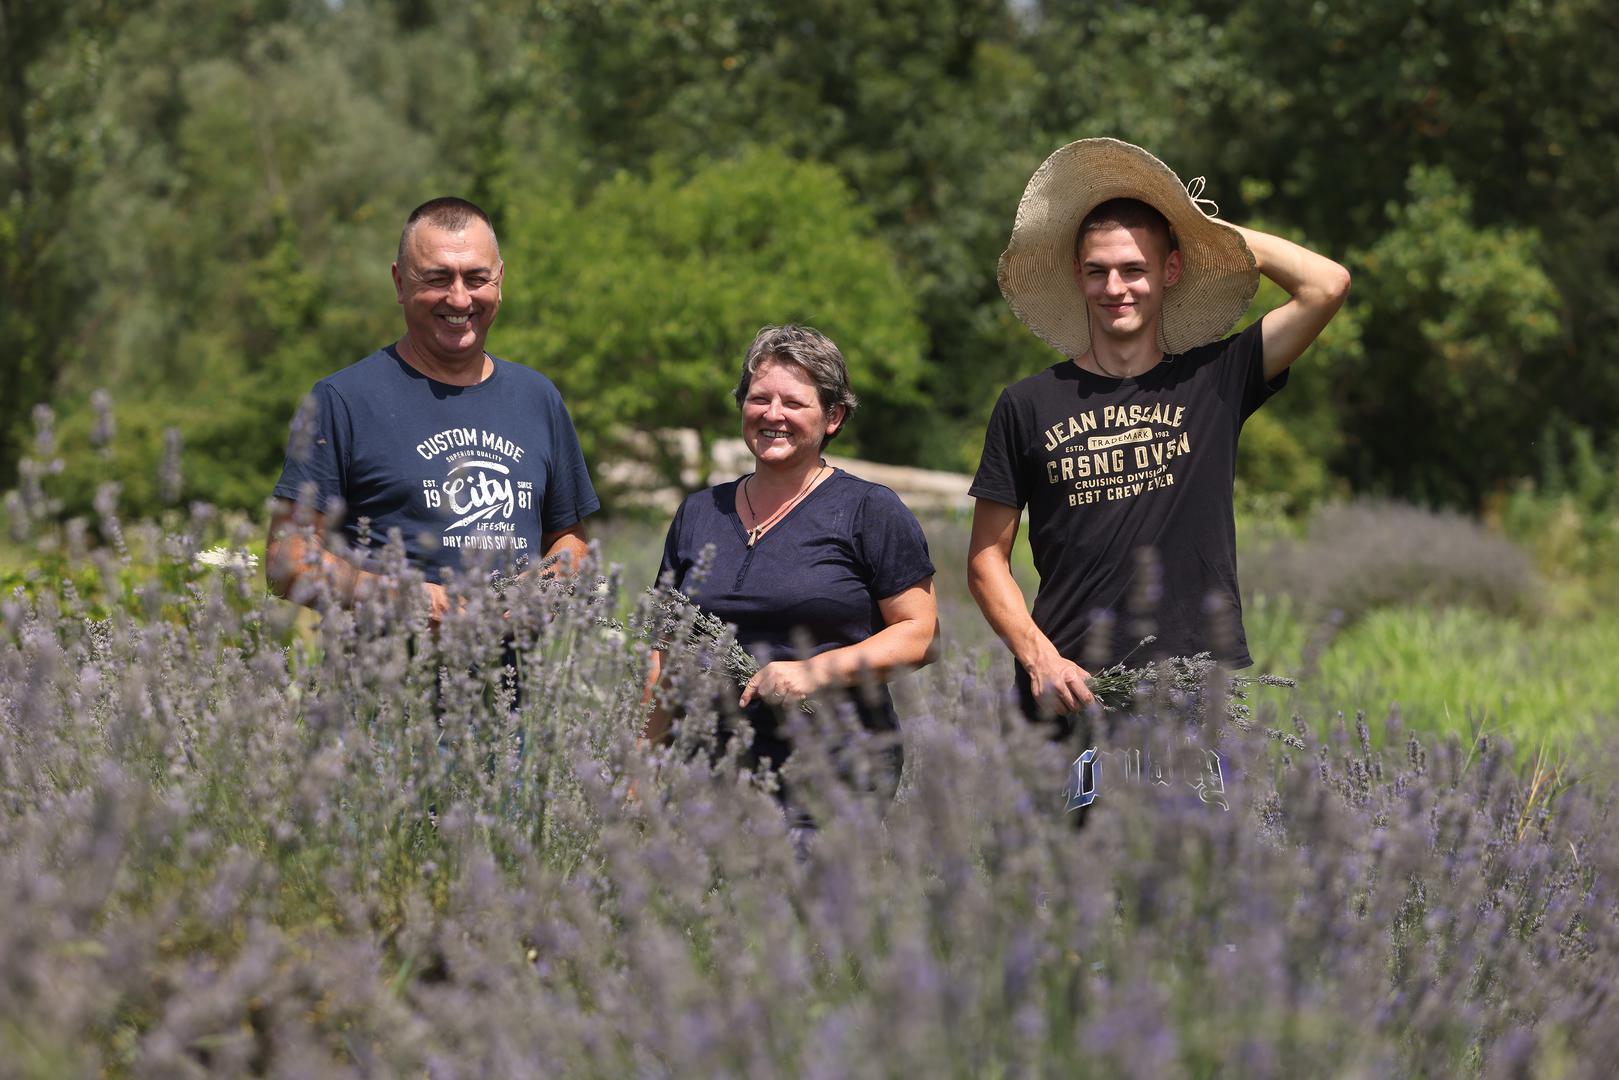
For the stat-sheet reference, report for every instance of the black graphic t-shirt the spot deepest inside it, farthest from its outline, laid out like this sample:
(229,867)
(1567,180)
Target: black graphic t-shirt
(465,473)
(1128,485)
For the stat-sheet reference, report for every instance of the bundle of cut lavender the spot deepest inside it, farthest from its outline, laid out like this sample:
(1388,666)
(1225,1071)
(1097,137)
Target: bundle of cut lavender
(677,622)
(1119,687)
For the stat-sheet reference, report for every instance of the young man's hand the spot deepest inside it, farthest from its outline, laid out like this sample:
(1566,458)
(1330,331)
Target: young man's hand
(1059,683)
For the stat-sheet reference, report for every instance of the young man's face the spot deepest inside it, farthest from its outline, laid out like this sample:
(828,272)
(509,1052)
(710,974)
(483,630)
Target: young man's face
(1124,273)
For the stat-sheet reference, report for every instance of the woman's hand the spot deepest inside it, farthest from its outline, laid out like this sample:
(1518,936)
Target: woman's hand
(781,683)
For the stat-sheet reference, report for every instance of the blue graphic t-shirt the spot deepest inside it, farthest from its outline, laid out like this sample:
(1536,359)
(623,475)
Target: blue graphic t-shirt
(472,474)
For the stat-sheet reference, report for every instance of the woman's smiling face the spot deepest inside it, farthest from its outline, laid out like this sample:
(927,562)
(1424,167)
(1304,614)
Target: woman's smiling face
(783,422)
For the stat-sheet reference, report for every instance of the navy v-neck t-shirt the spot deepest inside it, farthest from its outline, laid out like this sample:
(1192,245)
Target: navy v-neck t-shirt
(817,574)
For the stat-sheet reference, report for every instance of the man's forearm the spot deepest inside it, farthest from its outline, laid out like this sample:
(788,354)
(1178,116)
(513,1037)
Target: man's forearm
(1053,678)
(1296,269)
(1316,287)
(658,721)
(563,552)
(300,568)
(1000,599)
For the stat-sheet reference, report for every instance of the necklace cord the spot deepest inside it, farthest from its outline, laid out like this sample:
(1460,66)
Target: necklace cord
(759,527)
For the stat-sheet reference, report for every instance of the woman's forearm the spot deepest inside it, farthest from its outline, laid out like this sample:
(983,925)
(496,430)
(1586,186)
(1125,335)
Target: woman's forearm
(898,647)
(658,721)
(908,640)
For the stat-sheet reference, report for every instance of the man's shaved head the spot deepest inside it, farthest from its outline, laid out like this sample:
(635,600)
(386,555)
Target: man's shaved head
(445,212)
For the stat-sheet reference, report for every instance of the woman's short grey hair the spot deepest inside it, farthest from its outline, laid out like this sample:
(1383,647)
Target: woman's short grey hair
(809,350)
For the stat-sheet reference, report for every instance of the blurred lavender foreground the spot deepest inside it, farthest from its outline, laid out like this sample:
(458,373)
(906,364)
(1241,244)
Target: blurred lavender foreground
(230,846)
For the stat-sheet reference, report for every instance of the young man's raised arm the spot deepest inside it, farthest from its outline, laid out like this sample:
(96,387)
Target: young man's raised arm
(1316,285)
(1056,679)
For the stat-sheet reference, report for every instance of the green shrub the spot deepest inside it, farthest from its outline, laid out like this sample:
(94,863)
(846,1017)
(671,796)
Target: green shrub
(1276,473)
(1569,517)
(640,300)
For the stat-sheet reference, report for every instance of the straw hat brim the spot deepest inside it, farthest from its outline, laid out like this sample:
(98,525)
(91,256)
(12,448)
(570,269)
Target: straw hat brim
(1036,273)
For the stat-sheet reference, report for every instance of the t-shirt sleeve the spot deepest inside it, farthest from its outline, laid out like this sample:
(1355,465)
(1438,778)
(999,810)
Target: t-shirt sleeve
(999,478)
(1246,357)
(890,542)
(569,495)
(318,449)
(671,570)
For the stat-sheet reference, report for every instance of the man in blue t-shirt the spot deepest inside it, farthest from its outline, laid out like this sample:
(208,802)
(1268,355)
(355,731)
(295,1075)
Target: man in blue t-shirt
(470,461)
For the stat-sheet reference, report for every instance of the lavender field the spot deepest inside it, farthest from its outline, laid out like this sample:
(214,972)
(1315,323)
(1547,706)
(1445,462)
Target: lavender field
(233,844)
(238,838)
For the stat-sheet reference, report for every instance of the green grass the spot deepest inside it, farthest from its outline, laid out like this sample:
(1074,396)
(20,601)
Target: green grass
(1455,671)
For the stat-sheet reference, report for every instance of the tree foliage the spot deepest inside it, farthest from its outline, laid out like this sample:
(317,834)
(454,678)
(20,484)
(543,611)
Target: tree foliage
(198,204)
(641,299)
(49,70)
(1484,318)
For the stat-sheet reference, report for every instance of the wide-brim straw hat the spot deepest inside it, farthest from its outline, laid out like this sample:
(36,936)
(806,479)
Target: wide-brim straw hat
(1218,276)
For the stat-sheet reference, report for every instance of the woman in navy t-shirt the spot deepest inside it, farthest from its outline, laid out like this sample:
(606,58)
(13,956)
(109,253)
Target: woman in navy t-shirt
(803,552)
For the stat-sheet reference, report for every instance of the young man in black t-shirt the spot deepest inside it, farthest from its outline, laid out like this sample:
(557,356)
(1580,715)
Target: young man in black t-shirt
(1124,453)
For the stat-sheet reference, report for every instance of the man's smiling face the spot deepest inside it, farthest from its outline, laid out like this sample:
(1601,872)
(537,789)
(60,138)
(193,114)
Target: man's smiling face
(1124,273)
(449,286)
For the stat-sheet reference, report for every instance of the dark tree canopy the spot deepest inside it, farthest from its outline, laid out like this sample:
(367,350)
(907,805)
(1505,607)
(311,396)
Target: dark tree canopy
(198,205)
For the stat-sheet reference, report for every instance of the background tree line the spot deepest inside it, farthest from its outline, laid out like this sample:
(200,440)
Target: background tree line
(198,202)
